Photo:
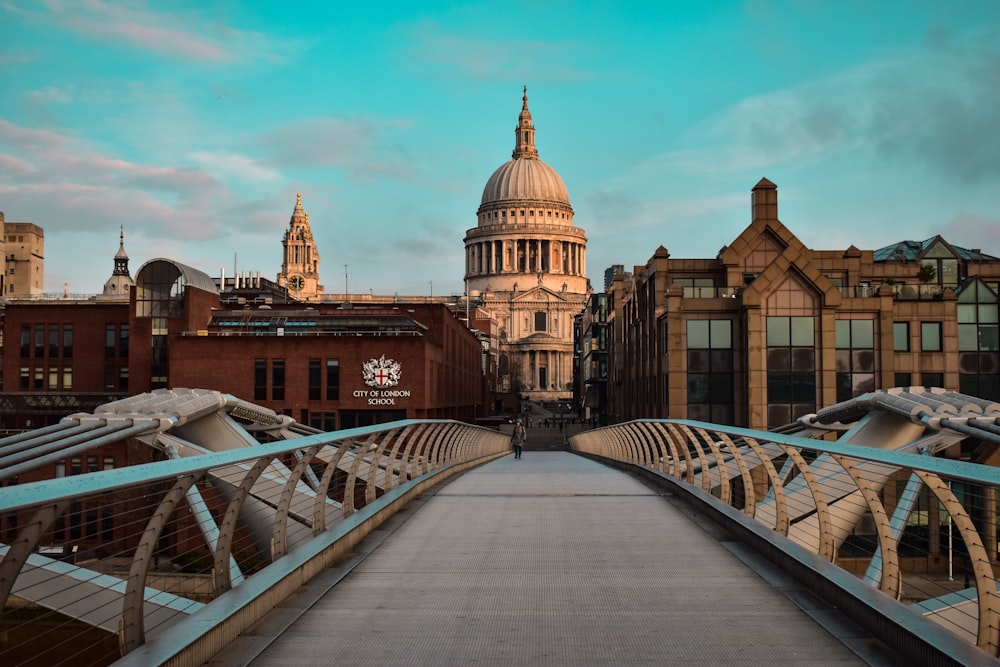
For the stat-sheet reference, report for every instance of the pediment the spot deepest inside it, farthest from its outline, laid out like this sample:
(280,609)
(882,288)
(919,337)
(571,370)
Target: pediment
(540,293)
(783,278)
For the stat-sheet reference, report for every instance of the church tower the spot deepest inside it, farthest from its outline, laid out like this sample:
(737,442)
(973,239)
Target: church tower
(300,261)
(120,284)
(527,263)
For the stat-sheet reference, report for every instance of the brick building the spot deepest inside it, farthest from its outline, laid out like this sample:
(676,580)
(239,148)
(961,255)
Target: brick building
(770,330)
(324,364)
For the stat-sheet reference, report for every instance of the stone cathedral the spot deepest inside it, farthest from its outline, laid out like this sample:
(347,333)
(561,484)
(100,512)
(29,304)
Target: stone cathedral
(527,262)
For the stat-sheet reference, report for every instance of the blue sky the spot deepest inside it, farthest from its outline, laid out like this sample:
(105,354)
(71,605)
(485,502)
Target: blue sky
(193,124)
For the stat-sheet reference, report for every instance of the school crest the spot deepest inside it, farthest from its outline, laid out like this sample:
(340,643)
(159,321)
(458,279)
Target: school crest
(381,372)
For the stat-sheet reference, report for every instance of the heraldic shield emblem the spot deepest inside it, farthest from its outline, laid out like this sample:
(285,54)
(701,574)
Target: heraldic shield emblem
(381,372)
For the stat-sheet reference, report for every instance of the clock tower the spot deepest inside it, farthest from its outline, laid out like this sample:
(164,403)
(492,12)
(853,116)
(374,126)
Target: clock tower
(300,261)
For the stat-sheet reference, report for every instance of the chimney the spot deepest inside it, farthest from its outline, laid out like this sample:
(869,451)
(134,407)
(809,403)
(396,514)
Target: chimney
(764,201)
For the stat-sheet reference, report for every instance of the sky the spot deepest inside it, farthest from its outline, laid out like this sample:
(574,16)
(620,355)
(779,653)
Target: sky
(193,124)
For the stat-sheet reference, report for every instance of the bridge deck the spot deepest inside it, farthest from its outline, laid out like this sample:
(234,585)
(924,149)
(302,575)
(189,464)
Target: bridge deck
(553,560)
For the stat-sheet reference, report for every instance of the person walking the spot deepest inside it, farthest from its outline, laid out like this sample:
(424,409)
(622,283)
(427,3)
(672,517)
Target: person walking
(518,438)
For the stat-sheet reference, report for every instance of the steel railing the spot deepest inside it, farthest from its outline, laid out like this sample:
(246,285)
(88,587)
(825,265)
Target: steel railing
(188,547)
(919,528)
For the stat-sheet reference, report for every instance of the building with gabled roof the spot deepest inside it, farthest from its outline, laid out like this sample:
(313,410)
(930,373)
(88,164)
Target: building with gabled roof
(769,329)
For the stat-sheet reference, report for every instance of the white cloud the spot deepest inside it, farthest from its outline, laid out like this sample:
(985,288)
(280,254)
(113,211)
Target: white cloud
(185,35)
(233,166)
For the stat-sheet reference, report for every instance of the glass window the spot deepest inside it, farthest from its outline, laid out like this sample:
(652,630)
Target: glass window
(802,331)
(710,370)
(109,340)
(123,340)
(842,334)
(778,334)
(260,379)
(333,379)
(67,342)
(315,378)
(862,333)
(540,321)
(930,336)
(721,333)
(933,380)
(968,337)
(791,364)
(278,379)
(949,272)
(978,341)
(901,336)
(53,340)
(697,334)
(902,379)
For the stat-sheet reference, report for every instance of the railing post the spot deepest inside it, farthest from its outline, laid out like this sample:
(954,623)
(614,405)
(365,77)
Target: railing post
(132,632)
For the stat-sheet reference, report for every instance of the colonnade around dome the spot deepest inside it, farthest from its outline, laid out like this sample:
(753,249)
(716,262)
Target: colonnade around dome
(519,255)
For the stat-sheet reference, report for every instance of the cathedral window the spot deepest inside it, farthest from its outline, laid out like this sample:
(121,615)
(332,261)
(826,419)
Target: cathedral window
(541,320)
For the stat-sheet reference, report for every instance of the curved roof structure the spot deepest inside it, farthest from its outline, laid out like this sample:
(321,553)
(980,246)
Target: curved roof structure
(525,178)
(160,271)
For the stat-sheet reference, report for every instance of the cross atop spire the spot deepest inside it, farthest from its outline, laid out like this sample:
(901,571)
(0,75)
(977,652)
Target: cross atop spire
(524,133)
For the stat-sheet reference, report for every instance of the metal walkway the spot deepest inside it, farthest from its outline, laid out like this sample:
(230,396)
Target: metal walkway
(553,560)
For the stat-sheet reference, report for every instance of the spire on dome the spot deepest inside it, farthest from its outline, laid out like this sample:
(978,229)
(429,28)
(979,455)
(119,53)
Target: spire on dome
(524,133)
(120,283)
(121,254)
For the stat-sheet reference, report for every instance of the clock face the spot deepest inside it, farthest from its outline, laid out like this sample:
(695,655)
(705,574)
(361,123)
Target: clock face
(295,282)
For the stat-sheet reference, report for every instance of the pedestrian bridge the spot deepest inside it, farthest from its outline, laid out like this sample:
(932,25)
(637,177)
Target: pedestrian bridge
(847,537)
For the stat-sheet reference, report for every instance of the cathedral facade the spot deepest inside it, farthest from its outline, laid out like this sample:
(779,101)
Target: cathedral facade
(527,263)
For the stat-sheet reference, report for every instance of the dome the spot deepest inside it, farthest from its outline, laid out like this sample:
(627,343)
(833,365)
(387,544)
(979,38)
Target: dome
(525,179)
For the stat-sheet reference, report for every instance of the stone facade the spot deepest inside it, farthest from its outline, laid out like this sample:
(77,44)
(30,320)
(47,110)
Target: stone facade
(526,263)
(300,258)
(24,259)
(770,330)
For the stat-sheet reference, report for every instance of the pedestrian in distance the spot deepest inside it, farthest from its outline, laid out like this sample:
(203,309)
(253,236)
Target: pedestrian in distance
(518,438)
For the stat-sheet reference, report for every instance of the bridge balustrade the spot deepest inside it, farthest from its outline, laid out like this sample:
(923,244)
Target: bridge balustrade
(920,529)
(184,552)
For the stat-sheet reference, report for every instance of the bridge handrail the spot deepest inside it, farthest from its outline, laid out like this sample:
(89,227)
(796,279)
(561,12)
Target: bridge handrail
(817,493)
(225,518)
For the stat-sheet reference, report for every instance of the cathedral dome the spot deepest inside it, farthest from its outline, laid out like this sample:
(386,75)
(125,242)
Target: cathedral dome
(525,179)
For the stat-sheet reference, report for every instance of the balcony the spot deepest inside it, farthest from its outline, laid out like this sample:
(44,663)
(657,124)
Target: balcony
(710,292)
(904,292)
